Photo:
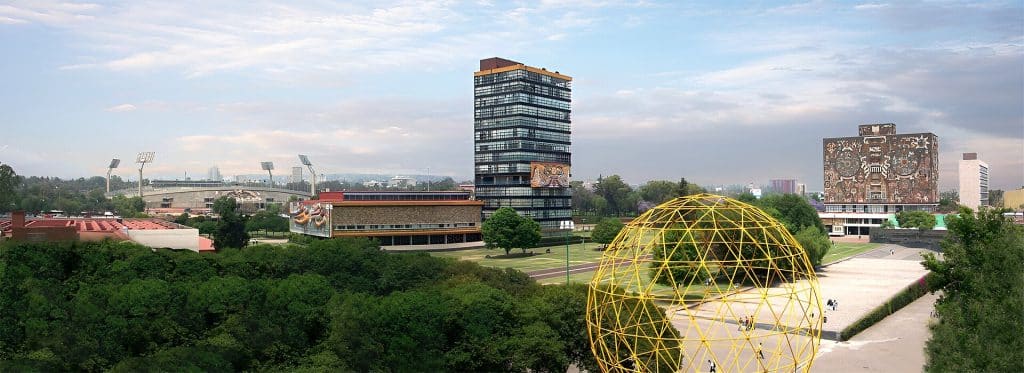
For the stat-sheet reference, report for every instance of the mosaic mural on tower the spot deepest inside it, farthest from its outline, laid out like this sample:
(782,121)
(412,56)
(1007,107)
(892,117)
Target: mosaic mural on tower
(881,167)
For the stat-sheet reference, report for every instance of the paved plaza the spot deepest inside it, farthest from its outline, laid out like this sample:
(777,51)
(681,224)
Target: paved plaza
(860,284)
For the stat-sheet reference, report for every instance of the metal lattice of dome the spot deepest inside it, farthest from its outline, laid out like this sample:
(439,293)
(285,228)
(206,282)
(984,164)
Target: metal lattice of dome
(704,279)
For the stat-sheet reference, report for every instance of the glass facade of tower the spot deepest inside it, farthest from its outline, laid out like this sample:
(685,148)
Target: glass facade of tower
(522,125)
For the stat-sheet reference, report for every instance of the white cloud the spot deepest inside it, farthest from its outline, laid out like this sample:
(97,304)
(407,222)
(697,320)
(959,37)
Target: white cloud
(871,6)
(121,108)
(291,41)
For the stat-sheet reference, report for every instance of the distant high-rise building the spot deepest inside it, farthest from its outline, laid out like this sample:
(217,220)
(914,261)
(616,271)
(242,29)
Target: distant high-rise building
(296,175)
(214,174)
(784,186)
(801,189)
(521,136)
(973,181)
(880,171)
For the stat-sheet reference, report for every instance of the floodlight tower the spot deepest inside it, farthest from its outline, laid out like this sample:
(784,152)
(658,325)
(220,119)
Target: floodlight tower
(113,164)
(312,174)
(269,167)
(143,158)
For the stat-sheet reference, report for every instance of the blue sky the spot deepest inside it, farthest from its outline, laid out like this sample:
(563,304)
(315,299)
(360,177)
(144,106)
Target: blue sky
(730,92)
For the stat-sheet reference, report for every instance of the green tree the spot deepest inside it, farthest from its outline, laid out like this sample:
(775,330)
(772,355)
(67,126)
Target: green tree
(507,230)
(683,188)
(8,183)
(606,230)
(981,309)
(128,207)
(619,195)
(949,201)
(657,191)
(230,230)
(995,198)
(793,210)
(815,242)
(922,220)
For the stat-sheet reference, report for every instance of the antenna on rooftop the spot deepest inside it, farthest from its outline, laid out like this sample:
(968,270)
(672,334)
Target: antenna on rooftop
(268,166)
(312,174)
(142,159)
(113,164)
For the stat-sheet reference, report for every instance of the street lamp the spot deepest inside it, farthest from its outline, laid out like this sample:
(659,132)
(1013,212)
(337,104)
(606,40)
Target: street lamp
(268,166)
(312,174)
(113,164)
(567,226)
(142,159)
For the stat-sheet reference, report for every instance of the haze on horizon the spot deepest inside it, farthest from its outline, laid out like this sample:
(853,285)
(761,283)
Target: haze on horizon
(716,93)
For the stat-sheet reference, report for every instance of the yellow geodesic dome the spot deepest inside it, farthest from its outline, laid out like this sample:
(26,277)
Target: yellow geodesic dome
(704,279)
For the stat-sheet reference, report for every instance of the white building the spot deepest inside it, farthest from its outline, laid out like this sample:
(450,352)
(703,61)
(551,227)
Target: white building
(296,175)
(214,174)
(973,181)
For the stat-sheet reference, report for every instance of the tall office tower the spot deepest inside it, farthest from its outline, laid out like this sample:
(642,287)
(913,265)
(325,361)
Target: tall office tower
(214,174)
(973,181)
(521,136)
(783,186)
(880,171)
(296,175)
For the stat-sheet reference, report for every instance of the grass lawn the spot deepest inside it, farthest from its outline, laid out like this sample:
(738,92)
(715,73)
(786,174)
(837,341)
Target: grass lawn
(844,250)
(585,253)
(578,254)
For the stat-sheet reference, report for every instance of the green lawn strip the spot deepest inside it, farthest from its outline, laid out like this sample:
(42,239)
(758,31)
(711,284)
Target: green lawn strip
(843,250)
(578,254)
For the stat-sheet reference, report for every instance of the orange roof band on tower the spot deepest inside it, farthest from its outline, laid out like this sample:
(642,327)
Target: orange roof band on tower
(498,65)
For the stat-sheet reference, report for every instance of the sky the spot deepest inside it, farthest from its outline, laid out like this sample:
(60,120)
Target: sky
(717,92)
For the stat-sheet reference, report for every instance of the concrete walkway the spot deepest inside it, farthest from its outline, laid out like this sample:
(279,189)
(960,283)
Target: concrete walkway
(895,344)
(865,282)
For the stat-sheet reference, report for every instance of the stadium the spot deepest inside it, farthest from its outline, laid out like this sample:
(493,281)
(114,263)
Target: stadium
(175,197)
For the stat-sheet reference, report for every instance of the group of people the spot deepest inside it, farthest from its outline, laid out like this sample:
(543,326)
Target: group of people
(832,303)
(746,323)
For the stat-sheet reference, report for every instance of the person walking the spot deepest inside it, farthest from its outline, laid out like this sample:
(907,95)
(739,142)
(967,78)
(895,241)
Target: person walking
(711,366)
(760,353)
(740,324)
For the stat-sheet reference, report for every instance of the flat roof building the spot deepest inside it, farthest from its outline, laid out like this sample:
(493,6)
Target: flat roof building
(877,174)
(783,186)
(398,220)
(154,233)
(522,130)
(880,171)
(973,181)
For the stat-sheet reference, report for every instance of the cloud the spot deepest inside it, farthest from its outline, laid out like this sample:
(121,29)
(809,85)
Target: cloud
(286,41)
(871,6)
(121,108)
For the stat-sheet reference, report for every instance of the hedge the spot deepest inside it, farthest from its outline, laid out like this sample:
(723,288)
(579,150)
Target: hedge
(898,301)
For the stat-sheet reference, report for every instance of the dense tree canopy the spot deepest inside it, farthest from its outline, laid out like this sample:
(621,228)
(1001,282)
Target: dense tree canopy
(334,305)
(620,196)
(793,210)
(606,230)
(916,219)
(508,230)
(981,309)
(658,191)
(230,231)
(8,182)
